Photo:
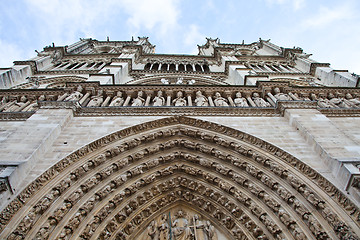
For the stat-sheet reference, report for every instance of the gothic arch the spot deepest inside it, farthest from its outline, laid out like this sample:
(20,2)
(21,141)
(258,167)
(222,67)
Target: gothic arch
(113,187)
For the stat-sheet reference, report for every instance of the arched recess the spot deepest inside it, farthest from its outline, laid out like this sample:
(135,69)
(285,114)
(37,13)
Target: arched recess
(115,186)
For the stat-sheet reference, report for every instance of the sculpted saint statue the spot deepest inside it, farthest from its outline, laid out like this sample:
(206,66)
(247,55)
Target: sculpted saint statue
(240,101)
(118,100)
(181,228)
(354,102)
(201,100)
(220,101)
(17,105)
(97,100)
(75,96)
(152,231)
(139,101)
(35,105)
(159,100)
(179,100)
(260,102)
(281,96)
(163,228)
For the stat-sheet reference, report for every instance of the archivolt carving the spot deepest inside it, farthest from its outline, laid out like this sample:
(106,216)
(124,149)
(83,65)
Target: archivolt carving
(115,186)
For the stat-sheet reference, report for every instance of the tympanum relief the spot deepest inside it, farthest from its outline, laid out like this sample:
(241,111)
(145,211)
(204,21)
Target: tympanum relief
(180,223)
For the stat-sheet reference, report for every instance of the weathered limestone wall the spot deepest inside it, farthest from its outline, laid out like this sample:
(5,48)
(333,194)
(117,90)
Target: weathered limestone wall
(51,134)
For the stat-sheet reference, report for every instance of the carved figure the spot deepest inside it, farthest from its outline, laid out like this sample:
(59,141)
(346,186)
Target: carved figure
(152,231)
(97,100)
(353,102)
(281,96)
(159,100)
(139,100)
(240,101)
(118,100)
(179,100)
(17,105)
(220,101)
(201,100)
(35,105)
(163,228)
(181,229)
(260,102)
(75,96)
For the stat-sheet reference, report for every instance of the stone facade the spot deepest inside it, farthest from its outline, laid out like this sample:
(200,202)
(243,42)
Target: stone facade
(108,140)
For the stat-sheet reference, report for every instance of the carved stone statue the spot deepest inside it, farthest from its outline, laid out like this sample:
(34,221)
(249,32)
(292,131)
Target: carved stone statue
(163,228)
(97,100)
(139,101)
(152,231)
(180,227)
(35,105)
(118,100)
(260,102)
(240,101)
(201,100)
(17,105)
(179,100)
(354,102)
(281,96)
(159,100)
(75,96)
(220,101)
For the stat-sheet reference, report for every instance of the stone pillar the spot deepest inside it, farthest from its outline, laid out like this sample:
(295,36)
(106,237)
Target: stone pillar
(106,102)
(24,106)
(128,98)
(148,97)
(83,99)
(188,95)
(228,95)
(168,98)
(293,96)
(250,101)
(272,97)
(62,97)
(211,102)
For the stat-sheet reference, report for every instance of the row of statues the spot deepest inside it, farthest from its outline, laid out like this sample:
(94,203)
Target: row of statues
(183,227)
(23,104)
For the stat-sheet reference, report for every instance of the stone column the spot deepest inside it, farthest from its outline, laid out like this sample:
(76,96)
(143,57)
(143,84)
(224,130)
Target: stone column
(148,97)
(168,98)
(272,97)
(106,102)
(208,94)
(62,97)
(83,99)
(228,95)
(188,95)
(128,98)
(250,101)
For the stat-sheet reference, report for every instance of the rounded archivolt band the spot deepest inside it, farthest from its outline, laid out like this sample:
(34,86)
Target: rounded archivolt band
(280,200)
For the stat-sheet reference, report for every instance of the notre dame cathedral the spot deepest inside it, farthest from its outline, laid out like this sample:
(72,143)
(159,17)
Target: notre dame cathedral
(109,140)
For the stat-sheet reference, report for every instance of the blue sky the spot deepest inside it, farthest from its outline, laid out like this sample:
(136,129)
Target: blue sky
(328,29)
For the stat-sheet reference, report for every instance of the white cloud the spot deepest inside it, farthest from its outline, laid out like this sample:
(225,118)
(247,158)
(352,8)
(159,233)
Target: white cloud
(11,53)
(326,16)
(193,37)
(158,15)
(296,4)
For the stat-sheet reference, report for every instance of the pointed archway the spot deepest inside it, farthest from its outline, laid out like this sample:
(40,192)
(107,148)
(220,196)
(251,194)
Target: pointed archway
(242,186)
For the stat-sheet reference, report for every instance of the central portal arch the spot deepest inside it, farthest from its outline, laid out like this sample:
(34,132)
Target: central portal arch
(226,183)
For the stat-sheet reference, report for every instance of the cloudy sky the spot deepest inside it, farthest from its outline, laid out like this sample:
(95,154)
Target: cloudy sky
(329,29)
